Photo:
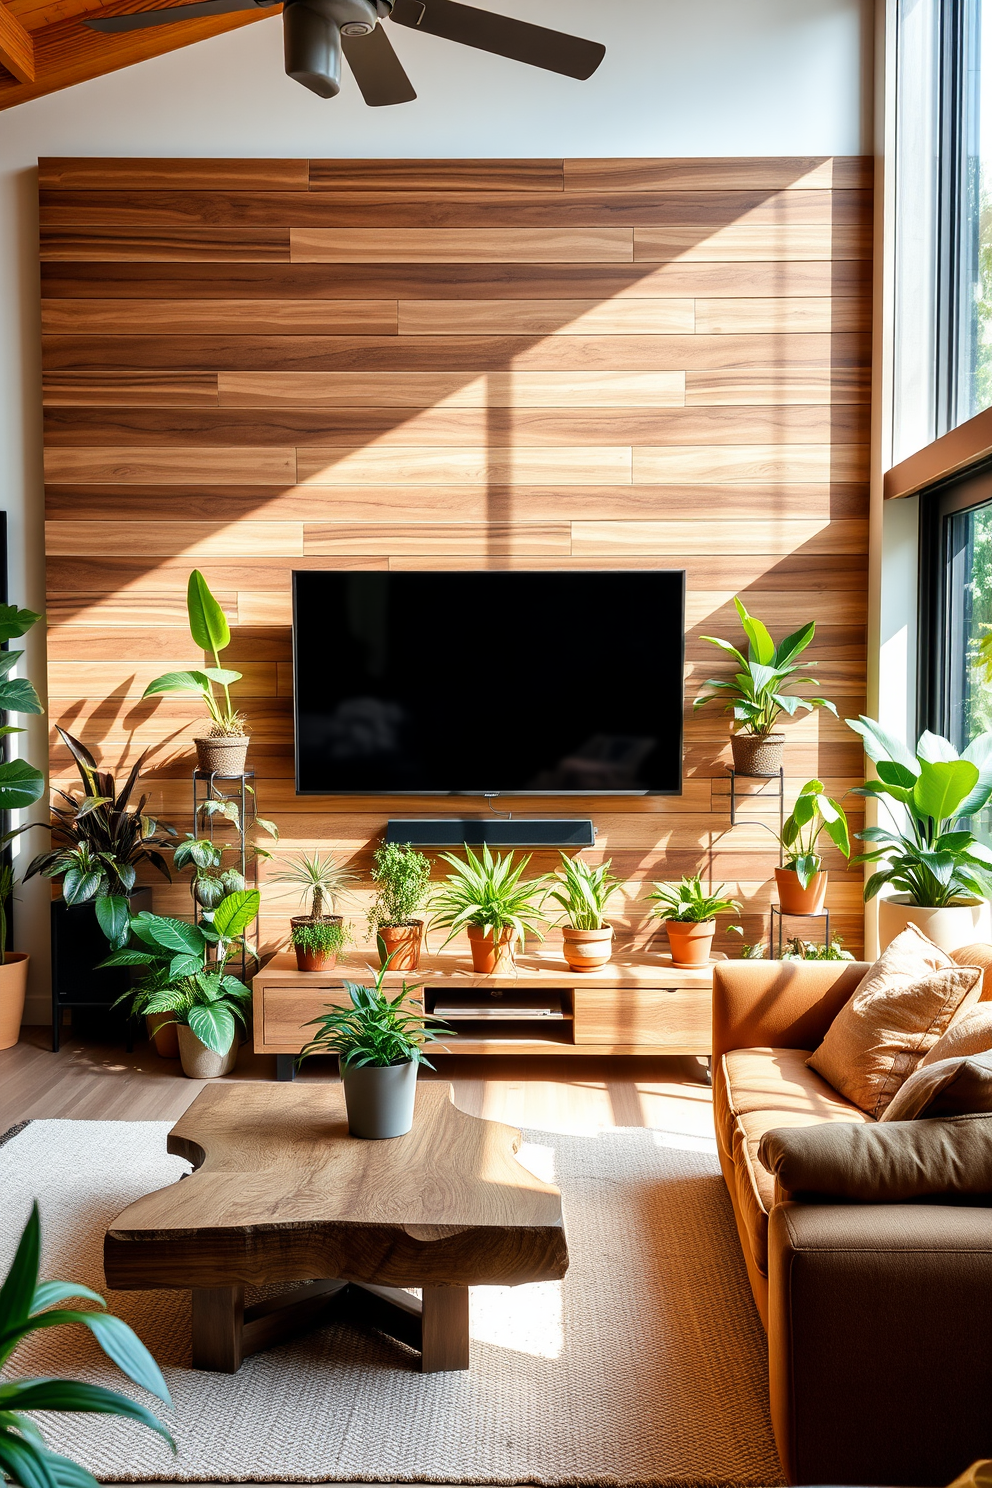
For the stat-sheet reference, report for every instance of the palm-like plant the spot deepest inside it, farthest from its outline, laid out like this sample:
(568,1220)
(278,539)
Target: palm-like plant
(688,901)
(375,1029)
(755,696)
(488,892)
(27,1305)
(935,860)
(99,842)
(319,879)
(582,892)
(185,969)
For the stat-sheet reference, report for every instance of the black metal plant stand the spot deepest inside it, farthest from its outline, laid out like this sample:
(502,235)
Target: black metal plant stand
(739,817)
(211,785)
(777,912)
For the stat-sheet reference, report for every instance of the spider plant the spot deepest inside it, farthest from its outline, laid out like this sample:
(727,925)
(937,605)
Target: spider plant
(374,1029)
(319,879)
(185,969)
(755,696)
(100,841)
(27,1306)
(687,901)
(210,631)
(582,892)
(487,894)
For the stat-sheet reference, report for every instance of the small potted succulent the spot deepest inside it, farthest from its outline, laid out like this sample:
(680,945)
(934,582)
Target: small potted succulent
(184,973)
(403,876)
(485,897)
(317,937)
(223,750)
(755,696)
(379,1043)
(689,916)
(802,881)
(582,892)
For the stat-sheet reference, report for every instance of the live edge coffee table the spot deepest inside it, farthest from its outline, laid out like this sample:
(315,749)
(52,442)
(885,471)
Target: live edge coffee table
(282,1193)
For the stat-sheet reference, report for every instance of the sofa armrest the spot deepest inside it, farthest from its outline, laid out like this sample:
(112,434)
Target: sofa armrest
(778,1004)
(880,1340)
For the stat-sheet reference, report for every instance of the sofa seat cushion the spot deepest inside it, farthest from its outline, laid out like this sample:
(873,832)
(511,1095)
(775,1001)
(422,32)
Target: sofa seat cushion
(755,1091)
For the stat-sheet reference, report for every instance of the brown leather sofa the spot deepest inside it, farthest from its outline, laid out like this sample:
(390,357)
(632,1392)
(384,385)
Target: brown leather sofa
(879,1316)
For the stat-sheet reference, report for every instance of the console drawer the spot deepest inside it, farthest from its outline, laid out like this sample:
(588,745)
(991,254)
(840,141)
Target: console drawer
(282,1013)
(675,1018)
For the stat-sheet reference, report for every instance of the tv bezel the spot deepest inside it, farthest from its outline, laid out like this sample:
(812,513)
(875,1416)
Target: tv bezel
(482,795)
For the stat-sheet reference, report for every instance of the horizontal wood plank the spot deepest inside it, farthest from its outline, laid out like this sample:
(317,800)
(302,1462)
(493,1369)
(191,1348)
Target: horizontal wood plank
(436,176)
(71,173)
(462,245)
(176,318)
(816,173)
(452,389)
(743,241)
(374,465)
(191,539)
(750,463)
(548,317)
(165,465)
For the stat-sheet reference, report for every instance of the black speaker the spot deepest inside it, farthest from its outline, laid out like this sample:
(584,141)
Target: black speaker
(496,831)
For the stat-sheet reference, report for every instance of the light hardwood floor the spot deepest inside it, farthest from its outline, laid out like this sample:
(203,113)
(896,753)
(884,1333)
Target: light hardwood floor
(92,1080)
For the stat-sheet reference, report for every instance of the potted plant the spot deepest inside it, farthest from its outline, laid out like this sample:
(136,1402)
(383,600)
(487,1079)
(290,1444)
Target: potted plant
(582,892)
(755,696)
(689,916)
(223,750)
(317,937)
(185,974)
(379,1043)
(941,872)
(486,897)
(28,1305)
(802,881)
(403,875)
(21,784)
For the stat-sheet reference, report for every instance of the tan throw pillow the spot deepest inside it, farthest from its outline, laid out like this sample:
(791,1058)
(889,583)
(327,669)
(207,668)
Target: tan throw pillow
(970,1034)
(898,1011)
(953,1087)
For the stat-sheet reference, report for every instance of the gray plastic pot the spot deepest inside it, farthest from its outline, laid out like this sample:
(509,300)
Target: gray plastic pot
(379,1098)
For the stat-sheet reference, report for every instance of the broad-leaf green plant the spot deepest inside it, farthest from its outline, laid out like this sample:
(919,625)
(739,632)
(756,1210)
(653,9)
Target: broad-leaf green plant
(26,1306)
(491,893)
(403,877)
(755,697)
(687,901)
(185,969)
(813,813)
(375,1029)
(210,631)
(928,853)
(100,841)
(320,880)
(582,891)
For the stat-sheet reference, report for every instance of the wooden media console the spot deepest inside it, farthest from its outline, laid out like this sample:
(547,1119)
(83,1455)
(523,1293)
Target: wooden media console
(639,1004)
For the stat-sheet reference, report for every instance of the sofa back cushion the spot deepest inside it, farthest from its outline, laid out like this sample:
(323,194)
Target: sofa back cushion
(902,1006)
(952,1087)
(970,1033)
(892,1162)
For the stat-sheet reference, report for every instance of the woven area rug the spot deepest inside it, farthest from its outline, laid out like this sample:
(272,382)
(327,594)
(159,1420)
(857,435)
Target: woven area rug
(646,1365)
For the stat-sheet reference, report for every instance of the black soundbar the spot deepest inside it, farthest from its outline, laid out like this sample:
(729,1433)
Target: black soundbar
(455,831)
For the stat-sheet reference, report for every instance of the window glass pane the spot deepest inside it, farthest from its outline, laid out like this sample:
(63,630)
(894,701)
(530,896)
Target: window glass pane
(968,555)
(973,330)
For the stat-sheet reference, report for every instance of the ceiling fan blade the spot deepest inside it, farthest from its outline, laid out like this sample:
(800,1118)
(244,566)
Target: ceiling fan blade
(172,13)
(519,40)
(378,71)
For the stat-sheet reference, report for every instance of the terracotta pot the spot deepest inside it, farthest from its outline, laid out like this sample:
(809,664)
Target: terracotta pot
(201,1063)
(222,756)
(402,943)
(379,1099)
(794,899)
(164,1034)
(586,950)
(315,960)
(13,988)
(757,754)
(956,925)
(691,941)
(490,954)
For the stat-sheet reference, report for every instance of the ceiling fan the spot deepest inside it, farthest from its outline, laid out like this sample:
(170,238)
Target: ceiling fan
(315,33)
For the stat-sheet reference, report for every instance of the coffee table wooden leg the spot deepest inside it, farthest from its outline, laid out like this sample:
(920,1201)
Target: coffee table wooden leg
(444,1325)
(218,1328)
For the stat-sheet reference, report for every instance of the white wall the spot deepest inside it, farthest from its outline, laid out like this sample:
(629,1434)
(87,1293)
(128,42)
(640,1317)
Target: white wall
(715,77)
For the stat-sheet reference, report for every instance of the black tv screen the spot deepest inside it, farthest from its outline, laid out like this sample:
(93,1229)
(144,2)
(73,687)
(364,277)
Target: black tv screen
(489,681)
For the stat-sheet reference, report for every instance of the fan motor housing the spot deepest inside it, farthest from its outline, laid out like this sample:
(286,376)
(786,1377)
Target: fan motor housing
(312,31)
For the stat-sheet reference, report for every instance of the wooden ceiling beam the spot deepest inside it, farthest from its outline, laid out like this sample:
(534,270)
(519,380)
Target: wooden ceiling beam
(69,52)
(16,47)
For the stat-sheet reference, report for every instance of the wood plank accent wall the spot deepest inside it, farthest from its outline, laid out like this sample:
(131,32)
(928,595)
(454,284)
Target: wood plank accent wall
(256,366)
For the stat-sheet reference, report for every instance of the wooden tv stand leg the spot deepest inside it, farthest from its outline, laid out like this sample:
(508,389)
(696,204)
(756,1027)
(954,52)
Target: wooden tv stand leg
(218,1328)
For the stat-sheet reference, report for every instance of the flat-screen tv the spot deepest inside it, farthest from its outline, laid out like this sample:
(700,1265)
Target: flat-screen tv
(494,681)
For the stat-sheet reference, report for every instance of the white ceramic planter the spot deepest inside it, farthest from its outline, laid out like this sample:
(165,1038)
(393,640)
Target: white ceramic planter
(201,1063)
(958,925)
